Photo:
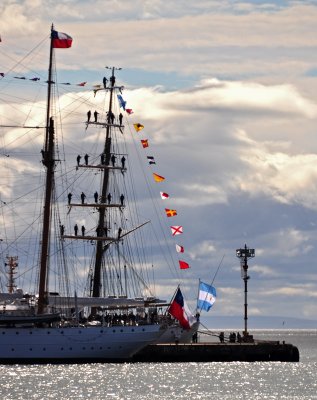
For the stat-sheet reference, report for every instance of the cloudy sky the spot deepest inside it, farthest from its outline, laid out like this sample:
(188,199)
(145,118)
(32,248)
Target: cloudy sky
(227,91)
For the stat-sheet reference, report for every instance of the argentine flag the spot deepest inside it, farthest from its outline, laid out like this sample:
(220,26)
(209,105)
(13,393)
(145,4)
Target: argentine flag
(121,101)
(207,296)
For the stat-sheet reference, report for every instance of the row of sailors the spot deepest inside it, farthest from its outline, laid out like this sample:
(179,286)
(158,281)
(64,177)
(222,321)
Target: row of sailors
(122,319)
(99,231)
(233,337)
(96,197)
(102,159)
(110,117)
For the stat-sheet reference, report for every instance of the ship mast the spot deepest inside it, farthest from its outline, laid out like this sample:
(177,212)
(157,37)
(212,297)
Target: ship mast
(49,163)
(100,247)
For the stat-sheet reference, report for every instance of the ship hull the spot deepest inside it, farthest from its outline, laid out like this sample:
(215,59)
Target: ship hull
(74,344)
(177,334)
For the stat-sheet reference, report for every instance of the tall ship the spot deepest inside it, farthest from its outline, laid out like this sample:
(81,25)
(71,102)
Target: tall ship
(84,254)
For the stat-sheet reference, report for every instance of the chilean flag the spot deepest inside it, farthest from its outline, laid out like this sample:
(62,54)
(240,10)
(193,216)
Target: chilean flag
(61,40)
(179,310)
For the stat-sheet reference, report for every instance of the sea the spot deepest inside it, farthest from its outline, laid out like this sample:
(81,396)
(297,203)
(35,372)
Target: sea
(168,381)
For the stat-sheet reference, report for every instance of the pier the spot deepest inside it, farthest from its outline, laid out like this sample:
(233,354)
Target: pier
(219,352)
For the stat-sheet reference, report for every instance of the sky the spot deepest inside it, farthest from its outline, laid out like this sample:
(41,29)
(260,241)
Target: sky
(228,92)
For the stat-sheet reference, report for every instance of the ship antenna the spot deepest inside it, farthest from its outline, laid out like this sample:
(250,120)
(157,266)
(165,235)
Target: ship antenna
(244,254)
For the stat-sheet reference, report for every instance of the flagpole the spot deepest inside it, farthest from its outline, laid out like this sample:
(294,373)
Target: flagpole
(198,297)
(217,270)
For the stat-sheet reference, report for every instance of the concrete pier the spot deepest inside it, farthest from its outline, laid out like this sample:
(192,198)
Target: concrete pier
(218,352)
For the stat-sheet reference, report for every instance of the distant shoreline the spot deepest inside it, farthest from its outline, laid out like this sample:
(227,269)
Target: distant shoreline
(256,322)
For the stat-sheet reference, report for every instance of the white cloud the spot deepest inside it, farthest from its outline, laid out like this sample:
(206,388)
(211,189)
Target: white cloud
(202,250)
(291,291)
(264,270)
(289,242)
(289,178)
(213,93)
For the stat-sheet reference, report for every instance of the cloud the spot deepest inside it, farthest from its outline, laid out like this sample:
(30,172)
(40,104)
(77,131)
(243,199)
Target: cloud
(202,250)
(294,291)
(260,167)
(289,178)
(264,270)
(289,242)
(165,37)
(215,94)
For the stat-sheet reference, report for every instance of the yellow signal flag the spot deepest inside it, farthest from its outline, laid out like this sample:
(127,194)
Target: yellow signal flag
(158,178)
(138,127)
(170,213)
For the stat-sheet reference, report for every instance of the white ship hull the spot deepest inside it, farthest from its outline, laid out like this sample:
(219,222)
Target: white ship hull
(74,344)
(177,334)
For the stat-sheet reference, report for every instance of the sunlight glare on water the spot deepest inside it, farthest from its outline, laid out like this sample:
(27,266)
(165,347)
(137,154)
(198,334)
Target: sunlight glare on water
(227,381)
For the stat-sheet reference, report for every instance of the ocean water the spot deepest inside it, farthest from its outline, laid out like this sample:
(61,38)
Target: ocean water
(227,381)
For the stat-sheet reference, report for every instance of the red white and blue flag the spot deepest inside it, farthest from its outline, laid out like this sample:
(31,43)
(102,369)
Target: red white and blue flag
(61,40)
(179,310)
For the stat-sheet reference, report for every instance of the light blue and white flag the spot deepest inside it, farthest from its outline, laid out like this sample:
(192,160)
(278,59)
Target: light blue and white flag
(207,296)
(121,101)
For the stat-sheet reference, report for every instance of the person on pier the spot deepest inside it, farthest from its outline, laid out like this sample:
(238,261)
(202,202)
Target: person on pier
(62,229)
(88,116)
(76,229)
(232,337)
(78,159)
(109,197)
(96,197)
(86,158)
(96,115)
(83,229)
(120,119)
(122,199)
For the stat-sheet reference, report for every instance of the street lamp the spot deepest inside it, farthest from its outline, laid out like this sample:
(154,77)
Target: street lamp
(244,254)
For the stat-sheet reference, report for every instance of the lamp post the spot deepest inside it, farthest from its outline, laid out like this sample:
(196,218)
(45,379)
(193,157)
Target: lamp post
(244,254)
